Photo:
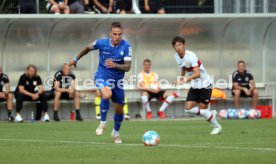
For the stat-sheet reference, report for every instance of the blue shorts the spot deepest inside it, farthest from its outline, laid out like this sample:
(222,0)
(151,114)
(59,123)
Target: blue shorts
(117,88)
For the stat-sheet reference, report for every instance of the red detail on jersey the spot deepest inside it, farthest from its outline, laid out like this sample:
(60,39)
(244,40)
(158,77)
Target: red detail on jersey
(191,68)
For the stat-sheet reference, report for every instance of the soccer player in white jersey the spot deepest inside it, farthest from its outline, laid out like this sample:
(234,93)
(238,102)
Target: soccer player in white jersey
(200,92)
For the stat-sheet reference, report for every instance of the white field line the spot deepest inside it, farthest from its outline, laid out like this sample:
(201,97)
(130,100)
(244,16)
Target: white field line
(140,145)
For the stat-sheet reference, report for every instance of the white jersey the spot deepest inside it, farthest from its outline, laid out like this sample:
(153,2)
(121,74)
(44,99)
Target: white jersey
(188,62)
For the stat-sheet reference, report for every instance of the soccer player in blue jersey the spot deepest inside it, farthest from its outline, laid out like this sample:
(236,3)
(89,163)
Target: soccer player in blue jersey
(114,61)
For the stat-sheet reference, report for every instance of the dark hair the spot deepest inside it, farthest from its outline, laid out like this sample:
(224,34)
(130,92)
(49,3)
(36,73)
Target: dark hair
(31,66)
(178,39)
(241,61)
(116,25)
(146,61)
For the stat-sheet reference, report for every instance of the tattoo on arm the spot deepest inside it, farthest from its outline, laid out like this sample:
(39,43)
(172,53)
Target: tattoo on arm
(124,67)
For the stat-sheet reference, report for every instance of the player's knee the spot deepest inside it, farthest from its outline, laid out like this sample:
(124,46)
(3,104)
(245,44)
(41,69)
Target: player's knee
(106,93)
(10,96)
(57,95)
(255,92)
(237,92)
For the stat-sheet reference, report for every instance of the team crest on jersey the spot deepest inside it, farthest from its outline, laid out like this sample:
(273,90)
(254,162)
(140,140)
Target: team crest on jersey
(27,83)
(2,83)
(34,82)
(246,79)
(122,53)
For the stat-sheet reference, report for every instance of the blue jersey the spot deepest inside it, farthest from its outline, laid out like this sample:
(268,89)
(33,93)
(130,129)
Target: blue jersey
(118,54)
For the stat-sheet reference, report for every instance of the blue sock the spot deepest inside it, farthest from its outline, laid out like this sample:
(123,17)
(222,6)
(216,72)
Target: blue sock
(105,104)
(118,119)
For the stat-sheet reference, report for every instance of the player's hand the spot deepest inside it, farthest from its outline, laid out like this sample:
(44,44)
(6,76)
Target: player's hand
(2,95)
(147,8)
(35,96)
(104,9)
(110,9)
(73,63)
(110,64)
(247,91)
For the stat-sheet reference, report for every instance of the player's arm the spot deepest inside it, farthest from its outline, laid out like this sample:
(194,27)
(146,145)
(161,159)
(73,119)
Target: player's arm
(252,85)
(24,91)
(82,53)
(58,89)
(40,89)
(8,89)
(237,86)
(195,75)
(122,67)
(53,2)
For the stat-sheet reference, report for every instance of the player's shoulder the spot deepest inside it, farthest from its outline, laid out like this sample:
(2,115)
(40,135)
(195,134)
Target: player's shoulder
(125,43)
(4,76)
(72,74)
(58,73)
(248,73)
(190,53)
(235,73)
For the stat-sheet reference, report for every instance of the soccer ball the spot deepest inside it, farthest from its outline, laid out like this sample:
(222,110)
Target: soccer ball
(232,113)
(242,113)
(223,113)
(252,114)
(151,138)
(259,114)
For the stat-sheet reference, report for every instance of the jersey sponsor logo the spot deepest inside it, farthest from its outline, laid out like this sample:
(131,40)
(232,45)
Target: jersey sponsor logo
(106,52)
(122,53)
(239,79)
(34,82)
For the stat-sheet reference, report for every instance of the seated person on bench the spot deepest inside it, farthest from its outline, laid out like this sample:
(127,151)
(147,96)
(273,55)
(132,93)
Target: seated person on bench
(6,95)
(64,87)
(243,85)
(30,88)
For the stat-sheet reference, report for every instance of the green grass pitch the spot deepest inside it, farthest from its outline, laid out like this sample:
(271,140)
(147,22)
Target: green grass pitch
(182,141)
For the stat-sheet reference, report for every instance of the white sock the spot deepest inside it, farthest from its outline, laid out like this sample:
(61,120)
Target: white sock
(103,123)
(166,103)
(116,133)
(209,117)
(145,101)
(194,110)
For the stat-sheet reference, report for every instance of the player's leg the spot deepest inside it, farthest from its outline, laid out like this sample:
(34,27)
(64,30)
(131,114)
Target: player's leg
(19,104)
(237,95)
(10,106)
(104,107)
(205,96)
(255,96)
(57,96)
(146,104)
(118,119)
(97,102)
(118,96)
(73,94)
(44,106)
(167,100)
(126,113)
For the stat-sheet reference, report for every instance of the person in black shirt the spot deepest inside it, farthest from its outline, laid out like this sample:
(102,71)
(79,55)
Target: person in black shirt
(27,6)
(6,95)
(103,6)
(153,6)
(30,88)
(64,88)
(243,85)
